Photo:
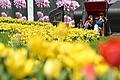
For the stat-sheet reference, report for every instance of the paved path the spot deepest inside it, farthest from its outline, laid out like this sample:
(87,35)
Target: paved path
(116,35)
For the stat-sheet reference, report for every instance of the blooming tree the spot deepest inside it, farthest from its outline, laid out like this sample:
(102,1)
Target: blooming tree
(42,3)
(5,4)
(20,3)
(74,5)
(69,5)
(41,17)
(20,16)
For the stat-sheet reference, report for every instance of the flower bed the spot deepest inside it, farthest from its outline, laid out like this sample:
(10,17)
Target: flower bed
(48,52)
(23,22)
(24,30)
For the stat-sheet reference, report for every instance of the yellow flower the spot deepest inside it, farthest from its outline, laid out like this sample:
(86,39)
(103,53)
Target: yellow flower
(98,59)
(84,57)
(77,74)
(52,68)
(67,61)
(15,65)
(29,67)
(18,64)
(53,49)
(76,53)
(2,47)
(101,69)
(65,47)
(38,46)
(61,31)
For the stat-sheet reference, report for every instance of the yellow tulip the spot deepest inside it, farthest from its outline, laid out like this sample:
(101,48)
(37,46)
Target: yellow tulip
(38,47)
(101,69)
(18,64)
(52,68)
(2,47)
(29,67)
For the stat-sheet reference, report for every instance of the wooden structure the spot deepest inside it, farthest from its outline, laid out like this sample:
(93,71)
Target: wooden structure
(94,9)
(112,13)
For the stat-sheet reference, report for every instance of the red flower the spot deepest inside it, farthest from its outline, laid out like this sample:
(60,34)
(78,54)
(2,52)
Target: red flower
(89,72)
(110,50)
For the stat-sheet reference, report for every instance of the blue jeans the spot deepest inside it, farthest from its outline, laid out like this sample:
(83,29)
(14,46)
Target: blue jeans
(88,26)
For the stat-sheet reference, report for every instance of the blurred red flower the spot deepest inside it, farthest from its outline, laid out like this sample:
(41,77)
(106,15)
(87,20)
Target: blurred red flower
(110,50)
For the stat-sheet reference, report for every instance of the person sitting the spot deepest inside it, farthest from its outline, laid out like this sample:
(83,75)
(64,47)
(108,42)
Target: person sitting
(101,20)
(89,23)
(100,23)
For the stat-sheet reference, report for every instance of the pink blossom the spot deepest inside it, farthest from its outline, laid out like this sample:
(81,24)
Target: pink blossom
(23,18)
(18,14)
(5,4)
(89,72)
(3,14)
(42,3)
(72,22)
(69,5)
(40,19)
(44,19)
(67,19)
(20,3)
(74,5)
(39,14)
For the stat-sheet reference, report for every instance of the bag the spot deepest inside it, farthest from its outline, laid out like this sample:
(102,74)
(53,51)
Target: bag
(96,28)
